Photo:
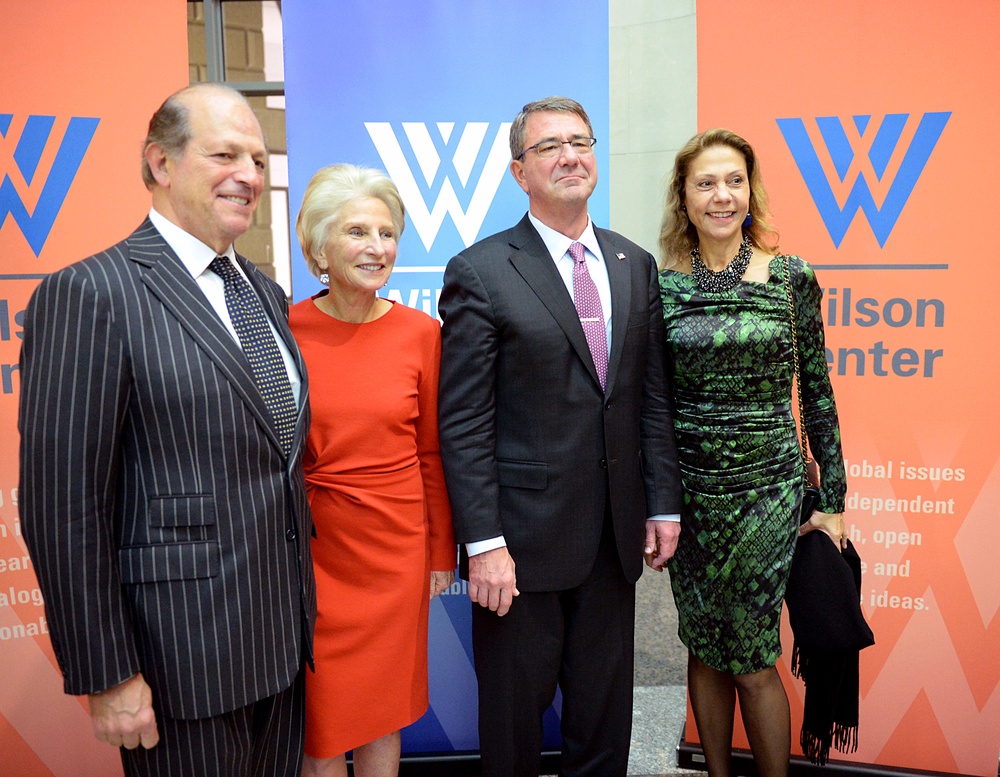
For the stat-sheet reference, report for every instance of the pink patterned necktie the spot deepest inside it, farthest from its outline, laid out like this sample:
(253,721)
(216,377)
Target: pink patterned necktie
(588,307)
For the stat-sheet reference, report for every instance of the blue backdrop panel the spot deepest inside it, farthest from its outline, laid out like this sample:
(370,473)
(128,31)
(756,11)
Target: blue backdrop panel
(426,91)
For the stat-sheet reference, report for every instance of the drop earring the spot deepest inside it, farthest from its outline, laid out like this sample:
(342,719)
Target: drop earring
(324,278)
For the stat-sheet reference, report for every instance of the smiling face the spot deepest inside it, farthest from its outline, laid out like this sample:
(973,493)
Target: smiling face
(361,250)
(717,196)
(558,186)
(212,188)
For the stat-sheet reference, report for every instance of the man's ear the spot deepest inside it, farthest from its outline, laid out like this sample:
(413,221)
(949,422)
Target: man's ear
(517,170)
(158,160)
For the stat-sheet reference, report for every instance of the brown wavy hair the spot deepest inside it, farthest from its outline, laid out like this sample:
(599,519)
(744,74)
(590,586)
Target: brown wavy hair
(677,234)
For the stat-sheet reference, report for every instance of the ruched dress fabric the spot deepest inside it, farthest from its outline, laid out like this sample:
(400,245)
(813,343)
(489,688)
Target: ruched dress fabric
(376,488)
(730,356)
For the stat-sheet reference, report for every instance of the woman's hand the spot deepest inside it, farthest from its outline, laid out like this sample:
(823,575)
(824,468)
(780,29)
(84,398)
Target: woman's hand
(831,524)
(440,581)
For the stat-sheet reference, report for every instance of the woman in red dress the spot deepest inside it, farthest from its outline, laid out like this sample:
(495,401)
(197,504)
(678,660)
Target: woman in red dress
(383,545)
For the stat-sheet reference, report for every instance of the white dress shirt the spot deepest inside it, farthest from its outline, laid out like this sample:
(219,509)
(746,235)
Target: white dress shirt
(196,257)
(558,245)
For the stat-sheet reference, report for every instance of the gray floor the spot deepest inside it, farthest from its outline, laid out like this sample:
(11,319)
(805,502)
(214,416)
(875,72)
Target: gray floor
(660,658)
(657,719)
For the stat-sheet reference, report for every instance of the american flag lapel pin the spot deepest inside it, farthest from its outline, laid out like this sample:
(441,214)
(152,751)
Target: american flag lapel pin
(621,257)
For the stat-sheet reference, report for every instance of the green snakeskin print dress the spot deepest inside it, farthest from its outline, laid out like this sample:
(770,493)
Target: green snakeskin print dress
(732,371)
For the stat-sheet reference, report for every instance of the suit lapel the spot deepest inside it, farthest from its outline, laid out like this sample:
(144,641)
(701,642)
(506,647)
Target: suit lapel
(619,276)
(532,261)
(170,282)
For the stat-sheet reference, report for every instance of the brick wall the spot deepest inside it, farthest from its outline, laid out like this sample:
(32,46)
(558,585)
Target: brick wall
(244,57)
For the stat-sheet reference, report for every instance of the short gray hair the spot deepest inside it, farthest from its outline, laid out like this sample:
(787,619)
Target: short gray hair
(330,189)
(560,104)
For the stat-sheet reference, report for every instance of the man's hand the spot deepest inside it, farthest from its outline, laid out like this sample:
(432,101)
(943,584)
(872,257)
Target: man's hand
(492,582)
(123,715)
(661,542)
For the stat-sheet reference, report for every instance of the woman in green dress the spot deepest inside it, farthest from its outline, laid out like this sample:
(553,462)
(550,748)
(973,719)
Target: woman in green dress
(729,339)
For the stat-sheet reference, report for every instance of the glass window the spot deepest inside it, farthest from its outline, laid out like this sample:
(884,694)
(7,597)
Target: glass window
(241,41)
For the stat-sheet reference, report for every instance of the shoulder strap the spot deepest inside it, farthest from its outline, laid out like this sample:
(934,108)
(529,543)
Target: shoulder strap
(803,438)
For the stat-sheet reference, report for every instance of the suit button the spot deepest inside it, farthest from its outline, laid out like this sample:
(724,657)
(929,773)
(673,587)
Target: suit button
(604,463)
(291,535)
(607,406)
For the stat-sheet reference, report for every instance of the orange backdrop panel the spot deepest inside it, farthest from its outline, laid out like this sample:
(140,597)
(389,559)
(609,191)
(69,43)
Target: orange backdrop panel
(102,63)
(912,322)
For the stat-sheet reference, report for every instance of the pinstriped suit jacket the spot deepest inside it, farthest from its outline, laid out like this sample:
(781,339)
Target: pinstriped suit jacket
(169,532)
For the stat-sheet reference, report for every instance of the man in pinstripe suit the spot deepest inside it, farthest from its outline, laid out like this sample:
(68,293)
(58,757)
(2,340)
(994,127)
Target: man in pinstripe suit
(166,520)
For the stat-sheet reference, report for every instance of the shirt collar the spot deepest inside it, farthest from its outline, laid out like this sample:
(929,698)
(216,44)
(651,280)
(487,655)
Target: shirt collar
(558,244)
(194,255)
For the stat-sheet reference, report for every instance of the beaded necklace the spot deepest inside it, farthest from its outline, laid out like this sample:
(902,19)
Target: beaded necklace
(726,278)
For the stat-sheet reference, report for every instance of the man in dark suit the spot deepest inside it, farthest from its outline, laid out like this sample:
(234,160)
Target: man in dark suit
(557,442)
(163,416)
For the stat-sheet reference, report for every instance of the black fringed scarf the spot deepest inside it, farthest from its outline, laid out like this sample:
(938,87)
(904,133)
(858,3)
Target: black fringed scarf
(824,611)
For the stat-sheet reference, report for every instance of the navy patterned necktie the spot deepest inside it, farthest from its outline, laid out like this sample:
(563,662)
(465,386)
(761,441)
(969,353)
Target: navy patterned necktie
(260,348)
(588,306)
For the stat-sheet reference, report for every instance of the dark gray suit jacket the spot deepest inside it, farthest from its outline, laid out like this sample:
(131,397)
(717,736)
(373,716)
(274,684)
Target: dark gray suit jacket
(169,531)
(532,447)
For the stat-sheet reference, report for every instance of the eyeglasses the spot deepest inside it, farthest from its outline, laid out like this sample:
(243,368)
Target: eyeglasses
(547,149)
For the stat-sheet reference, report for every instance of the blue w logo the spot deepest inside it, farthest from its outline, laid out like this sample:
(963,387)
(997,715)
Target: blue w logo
(882,147)
(27,154)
